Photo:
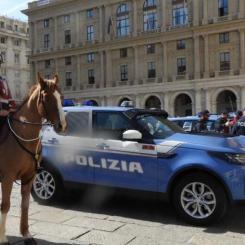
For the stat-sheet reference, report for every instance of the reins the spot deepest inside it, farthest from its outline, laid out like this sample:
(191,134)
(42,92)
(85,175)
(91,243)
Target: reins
(35,155)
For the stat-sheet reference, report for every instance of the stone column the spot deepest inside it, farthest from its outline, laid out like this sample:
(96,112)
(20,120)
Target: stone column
(78,84)
(197,56)
(36,43)
(164,15)
(206,56)
(56,41)
(242,52)
(101,21)
(165,61)
(135,18)
(138,98)
(77,17)
(242,97)
(241,9)
(198,100)
(208,100)
(108,68)
(196,13)
(205,12)
(136,66)
(166,102)
(56,66)
(102,70)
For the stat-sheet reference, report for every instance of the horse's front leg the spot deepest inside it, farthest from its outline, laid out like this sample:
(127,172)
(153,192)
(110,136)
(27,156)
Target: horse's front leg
(25,200)
(7,185)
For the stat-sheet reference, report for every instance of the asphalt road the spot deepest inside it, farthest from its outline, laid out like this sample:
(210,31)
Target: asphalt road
(103,217)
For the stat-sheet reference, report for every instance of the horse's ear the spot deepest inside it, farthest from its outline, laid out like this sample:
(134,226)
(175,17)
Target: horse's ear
(56,79)
(40,80)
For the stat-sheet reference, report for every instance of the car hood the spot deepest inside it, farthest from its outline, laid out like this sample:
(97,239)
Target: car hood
(203,142)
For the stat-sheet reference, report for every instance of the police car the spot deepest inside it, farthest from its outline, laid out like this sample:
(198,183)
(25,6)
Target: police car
(142,150)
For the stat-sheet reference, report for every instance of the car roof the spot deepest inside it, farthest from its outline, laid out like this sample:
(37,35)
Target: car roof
(129,111)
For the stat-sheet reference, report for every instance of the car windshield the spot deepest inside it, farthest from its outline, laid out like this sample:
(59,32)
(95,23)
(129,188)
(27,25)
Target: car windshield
(158,126)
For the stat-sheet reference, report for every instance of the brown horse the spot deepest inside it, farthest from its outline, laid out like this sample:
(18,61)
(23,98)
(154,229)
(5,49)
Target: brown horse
(20,151)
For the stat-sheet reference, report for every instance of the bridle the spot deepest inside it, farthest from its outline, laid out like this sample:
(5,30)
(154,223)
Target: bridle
(19,139)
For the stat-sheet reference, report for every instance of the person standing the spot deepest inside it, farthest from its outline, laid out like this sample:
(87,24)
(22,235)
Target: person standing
(7,104)
(201,125)
(240,125)
(221,123)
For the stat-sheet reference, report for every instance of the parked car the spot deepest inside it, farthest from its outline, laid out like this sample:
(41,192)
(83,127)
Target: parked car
(141,149)
(189,123)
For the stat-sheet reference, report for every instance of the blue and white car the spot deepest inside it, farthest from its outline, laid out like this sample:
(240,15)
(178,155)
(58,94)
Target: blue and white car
(142,150)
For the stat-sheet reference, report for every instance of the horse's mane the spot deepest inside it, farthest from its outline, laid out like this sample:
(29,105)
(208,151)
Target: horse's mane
(28,95)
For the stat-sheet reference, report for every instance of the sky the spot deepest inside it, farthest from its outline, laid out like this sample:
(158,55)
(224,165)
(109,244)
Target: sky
(12,8)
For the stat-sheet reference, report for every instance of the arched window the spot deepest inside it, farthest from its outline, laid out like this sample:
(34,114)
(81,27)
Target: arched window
(150,15)
(122,20)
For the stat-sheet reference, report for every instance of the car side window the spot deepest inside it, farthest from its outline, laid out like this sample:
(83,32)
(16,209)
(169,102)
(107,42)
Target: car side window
(77,124)
(110,125)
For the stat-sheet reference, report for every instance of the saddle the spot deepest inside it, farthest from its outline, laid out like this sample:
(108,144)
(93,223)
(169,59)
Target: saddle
(4,129)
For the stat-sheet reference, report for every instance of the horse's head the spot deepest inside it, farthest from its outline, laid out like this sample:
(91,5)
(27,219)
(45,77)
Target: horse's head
(50,102)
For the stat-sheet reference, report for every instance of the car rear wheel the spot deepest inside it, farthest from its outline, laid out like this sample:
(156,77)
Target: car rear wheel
(46,187)
(200,199)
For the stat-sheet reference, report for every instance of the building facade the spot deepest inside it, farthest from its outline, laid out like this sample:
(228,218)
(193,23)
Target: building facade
(180,55)
(14,48)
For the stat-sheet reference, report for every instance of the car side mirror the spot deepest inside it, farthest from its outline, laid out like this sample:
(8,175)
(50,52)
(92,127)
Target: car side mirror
(132,135)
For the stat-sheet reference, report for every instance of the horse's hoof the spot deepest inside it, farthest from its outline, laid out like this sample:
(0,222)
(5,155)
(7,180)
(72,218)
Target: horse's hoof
(30,241)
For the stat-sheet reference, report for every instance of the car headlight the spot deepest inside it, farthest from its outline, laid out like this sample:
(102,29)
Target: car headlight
(236,158)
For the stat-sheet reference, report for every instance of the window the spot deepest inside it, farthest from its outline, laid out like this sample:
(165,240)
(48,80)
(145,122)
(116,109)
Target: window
(124,72)
(90,13)
(16,27)
(150,48)
(78,124)
(225,61)
(67,19)
(151,69)
(110,125)
(181,66)
(223,8)
(181,44)
(123,52)
(67,37)
(2,24)
(68,60)
(180,13)
(46,41)
(150,15)
(16,58)
(91,79)
(3,40)
(68,79)
(90,57)
(224,37)
(122,20)
(90,33)
(47,63)
(17,42)
(46,23)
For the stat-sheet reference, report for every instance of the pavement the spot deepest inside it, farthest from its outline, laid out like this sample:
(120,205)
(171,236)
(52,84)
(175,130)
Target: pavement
(110,218)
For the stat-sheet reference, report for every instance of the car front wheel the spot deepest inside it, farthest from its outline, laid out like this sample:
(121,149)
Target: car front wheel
(200,199)
(46,187)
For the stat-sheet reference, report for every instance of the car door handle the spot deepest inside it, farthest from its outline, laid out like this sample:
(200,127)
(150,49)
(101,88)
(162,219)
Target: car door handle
(102,146)
(53,141)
